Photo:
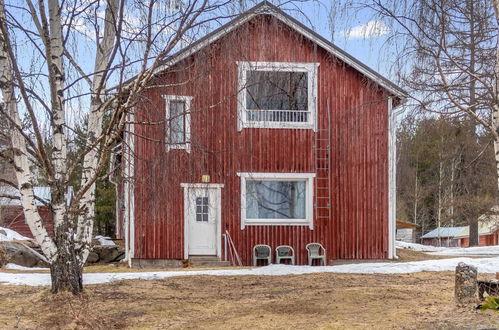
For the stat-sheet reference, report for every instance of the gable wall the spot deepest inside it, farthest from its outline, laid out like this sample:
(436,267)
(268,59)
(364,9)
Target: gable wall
(359,131)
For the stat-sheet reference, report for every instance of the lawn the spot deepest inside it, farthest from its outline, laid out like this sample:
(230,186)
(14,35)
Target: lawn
(324,301)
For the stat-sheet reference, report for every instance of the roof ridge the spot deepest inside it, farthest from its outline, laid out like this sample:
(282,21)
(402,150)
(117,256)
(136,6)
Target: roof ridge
(266,8)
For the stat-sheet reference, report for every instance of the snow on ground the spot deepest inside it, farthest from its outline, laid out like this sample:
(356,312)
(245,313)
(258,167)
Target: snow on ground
(484,265)
(11,235)
(17,267)
(471,251)
(486,251)
(103,240)
(418,247)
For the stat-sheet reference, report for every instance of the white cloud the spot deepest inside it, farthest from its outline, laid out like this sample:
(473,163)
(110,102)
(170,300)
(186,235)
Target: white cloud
(369,30)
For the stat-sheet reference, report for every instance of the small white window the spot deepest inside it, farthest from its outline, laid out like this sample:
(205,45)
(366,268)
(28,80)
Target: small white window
(276,199)
(277,95)
(178,122)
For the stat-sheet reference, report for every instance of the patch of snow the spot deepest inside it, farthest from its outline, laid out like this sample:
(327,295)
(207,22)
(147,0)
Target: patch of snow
(486,251)
(17,267)
(103,240)
(485,265)
(418,247)
(470,251)
(11,235)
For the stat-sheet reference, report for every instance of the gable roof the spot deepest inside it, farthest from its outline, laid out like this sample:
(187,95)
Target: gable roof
(42,194)
(265,8)
(452,232)
(406,224)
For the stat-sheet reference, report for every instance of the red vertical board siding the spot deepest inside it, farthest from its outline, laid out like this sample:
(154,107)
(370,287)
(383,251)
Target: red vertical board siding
(358,227)
(484,240)
(12,217)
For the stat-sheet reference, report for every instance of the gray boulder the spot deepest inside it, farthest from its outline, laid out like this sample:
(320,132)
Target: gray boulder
(93,257)
(20,254)
(107,253)
(121,256)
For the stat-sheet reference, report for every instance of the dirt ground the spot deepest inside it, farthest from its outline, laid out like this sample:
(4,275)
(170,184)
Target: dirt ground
(319,301)
(323,301)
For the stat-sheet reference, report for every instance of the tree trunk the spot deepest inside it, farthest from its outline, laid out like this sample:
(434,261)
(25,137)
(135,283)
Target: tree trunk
(103,57)
(451,197)
(416,192)
(66,270)
(474,239)
(495,107)
(473,223)
(66,274)
(24,175)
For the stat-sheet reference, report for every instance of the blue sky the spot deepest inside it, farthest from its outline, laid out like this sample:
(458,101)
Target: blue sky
(350,27)
(354,28)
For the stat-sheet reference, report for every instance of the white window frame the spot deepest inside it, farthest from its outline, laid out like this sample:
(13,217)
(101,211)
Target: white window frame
(187,100)
(309,210)
(309,68)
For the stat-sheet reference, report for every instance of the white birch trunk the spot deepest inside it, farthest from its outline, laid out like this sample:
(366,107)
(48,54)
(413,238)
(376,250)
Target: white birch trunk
(25,179)
(496,149)
(20,155)
(91,159)
(55,53)
(495,107)
(451,197)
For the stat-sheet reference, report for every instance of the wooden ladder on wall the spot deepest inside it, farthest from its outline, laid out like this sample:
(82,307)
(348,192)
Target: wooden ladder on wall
(322,163)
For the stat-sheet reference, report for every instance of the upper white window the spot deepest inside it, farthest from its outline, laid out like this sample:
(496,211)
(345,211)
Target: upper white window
(276,199)
(277,95)
(178,122)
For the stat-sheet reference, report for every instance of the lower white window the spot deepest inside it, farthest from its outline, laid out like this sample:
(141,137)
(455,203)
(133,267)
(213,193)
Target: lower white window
(276,199)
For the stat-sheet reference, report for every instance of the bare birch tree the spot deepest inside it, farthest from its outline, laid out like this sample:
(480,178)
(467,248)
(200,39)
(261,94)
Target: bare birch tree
(61,62)
(450,62)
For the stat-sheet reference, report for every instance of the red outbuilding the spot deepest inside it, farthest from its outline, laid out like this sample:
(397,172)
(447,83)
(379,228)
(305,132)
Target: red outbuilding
(12,213)
(262,132)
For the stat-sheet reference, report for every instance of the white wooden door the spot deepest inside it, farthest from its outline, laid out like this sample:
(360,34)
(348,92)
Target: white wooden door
(202,221)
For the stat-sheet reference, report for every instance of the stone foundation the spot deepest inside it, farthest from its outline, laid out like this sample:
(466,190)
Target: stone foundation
(157,263)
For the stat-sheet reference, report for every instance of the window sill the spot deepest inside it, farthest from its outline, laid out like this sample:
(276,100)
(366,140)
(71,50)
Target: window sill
(284,125)
(278,222)
(185,146)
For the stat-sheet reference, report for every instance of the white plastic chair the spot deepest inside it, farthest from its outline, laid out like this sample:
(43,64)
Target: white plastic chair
(284,252)
(314,252)
(262,252)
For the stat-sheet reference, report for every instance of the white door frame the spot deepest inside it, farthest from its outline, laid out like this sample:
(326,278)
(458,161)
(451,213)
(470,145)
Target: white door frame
(218,200)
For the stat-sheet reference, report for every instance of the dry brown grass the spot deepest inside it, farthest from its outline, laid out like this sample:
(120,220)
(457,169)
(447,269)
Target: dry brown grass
(319,301)
(4,259)
(406,255)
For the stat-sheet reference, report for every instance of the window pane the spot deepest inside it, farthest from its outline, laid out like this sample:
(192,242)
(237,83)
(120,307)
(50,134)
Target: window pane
(276,90)
(275,199)
(202,209)
(177,122)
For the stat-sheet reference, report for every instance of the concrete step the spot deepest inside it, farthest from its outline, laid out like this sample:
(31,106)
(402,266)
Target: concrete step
(207,261)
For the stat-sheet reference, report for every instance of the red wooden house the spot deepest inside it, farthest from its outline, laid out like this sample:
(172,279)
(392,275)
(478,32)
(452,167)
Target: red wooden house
(12,213)
(271,135)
